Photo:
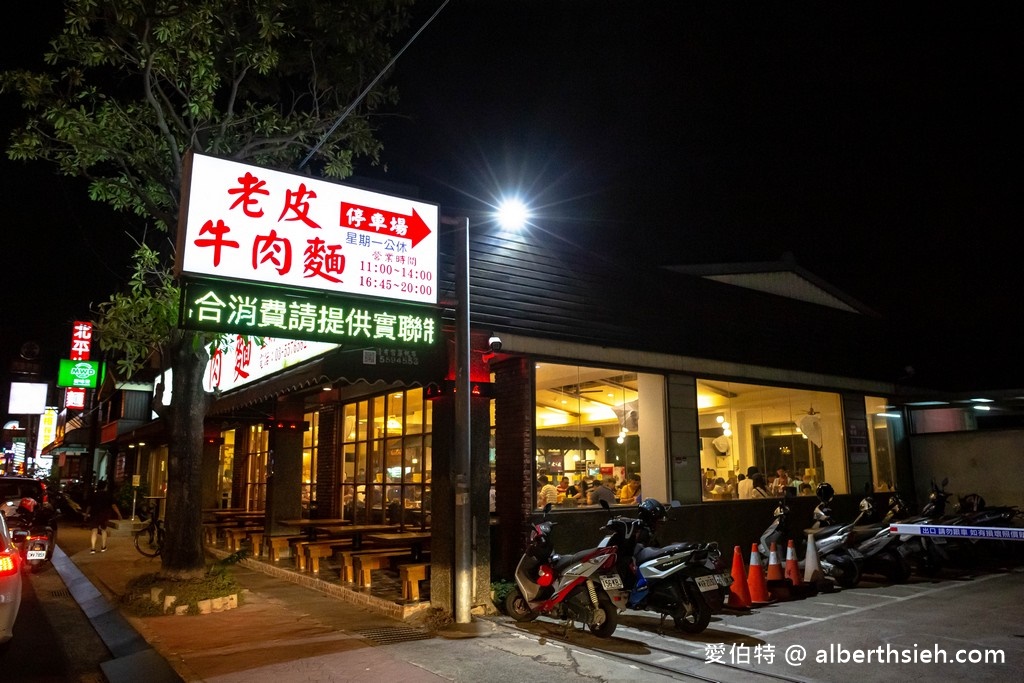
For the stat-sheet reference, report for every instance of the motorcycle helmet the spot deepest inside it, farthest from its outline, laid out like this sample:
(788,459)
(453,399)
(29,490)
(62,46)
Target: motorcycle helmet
(825,492)
(651,511)
(972,502)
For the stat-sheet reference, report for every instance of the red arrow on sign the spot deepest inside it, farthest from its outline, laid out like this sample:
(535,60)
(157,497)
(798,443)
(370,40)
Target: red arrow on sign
(368,219)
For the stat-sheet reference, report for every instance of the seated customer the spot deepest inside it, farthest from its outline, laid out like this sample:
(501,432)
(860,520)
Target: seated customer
(605,492)
(630,491)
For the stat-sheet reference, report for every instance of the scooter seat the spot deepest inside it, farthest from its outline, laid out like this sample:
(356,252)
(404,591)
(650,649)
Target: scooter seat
(825,530)
(560,562)
(646,554)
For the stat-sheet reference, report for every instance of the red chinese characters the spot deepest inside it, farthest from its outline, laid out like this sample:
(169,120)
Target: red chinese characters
(272,249)
(81,347)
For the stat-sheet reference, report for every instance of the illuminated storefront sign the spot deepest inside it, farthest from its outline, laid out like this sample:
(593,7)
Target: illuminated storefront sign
(78,373)
(250,223)
(81,347)
(264,311)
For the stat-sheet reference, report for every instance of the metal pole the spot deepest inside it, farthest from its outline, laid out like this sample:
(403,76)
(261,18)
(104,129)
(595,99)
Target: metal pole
(463,429)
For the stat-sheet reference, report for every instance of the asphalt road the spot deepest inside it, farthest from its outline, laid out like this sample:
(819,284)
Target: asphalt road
(53,640)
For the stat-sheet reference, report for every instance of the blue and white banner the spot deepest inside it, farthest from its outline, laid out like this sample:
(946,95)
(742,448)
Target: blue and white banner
(946,531)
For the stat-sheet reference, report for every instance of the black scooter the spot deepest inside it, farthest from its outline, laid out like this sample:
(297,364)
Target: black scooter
(838,560)
(685,581)
(33,528)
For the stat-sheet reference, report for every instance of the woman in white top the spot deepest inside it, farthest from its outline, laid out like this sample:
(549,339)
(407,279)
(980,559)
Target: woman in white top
(759,490)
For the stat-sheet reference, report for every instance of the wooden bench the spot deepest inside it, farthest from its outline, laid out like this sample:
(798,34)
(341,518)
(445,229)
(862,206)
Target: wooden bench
(365,563)
(235,535)
(348,561)
(276,545)
(411,575)
(314,550)
(307,553)
(212,531)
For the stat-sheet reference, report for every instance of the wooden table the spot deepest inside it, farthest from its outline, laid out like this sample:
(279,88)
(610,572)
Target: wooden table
(240,518)
(413,539)
(356,531)
(309,526)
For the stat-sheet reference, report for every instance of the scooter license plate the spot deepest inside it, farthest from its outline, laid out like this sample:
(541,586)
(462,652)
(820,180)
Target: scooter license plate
(707,583)
(37,554)
(612,582)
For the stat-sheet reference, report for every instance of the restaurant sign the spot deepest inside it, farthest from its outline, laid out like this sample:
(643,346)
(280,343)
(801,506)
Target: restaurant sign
(250,223)
(78,373)
(254,310)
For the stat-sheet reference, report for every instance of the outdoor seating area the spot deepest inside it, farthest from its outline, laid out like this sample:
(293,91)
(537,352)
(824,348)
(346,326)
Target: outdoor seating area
(366,558)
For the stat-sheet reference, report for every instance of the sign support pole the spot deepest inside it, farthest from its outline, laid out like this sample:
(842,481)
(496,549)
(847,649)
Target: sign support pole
(463,436)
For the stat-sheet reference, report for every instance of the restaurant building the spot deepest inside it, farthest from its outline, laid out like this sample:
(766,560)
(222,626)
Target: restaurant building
(602,368)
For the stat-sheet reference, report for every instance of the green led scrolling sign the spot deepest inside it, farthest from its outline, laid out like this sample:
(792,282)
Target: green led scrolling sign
(229,307)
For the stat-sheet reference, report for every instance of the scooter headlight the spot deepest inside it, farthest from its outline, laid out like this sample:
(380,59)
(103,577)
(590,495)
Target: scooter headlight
(545,576)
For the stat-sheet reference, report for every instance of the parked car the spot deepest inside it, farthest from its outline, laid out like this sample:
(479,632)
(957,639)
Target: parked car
(10,584)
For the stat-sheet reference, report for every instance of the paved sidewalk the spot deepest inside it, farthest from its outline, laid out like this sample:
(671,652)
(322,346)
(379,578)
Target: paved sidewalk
(287,632)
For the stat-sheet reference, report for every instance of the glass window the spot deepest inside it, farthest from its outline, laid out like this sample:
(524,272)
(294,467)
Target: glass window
(794,437)
(884,423)
(227,468)
(387,464)
(587,423)
(309,455)
(256,458)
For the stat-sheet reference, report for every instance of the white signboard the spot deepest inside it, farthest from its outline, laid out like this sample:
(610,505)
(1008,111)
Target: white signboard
(250,223)
(244,362)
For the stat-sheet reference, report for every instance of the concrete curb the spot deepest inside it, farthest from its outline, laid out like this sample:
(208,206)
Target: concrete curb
(134,658)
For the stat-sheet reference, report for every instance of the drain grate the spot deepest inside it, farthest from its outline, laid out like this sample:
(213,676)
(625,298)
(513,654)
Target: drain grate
(61,593)
(393,634)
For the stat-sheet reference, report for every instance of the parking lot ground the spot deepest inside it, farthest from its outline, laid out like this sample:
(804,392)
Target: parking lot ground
(874,632)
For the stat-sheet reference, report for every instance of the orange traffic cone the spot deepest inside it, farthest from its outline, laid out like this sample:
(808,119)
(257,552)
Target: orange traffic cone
(755,579)
(739,594)
(792,567)
(774,568)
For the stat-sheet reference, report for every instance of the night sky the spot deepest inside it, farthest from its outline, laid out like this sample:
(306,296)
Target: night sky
(874,141)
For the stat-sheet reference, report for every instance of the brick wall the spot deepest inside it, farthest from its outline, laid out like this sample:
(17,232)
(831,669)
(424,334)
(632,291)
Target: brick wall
(514,459)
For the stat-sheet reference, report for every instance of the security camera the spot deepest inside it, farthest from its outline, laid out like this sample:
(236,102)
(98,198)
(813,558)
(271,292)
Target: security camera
(495,343)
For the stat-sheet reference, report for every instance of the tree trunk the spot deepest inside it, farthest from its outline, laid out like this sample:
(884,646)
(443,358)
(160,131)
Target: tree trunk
(183,555)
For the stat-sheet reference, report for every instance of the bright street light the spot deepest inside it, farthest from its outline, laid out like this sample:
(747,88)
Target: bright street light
(512,214)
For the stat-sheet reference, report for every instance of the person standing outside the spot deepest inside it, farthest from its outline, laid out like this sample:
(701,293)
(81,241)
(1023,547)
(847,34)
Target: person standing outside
(101,509)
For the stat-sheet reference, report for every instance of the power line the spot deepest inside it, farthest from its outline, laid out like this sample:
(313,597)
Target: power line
(367,89)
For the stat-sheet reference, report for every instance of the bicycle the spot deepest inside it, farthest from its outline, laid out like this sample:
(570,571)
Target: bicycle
(149,540)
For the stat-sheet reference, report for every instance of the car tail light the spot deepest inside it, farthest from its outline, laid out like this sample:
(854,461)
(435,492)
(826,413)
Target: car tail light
(8,562)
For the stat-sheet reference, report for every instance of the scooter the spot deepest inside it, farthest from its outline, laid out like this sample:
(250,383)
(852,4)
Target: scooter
(34,531)
(571,587)
(686,581)
(775,531)
(838,561)
(880,549)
